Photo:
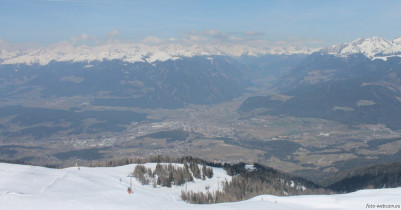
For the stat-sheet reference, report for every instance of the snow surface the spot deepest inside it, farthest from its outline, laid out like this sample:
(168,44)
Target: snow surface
(25,187)
(370,47)
(134,52)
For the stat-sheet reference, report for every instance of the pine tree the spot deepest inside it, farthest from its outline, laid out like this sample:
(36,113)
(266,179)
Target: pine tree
(203,171)
(195,170)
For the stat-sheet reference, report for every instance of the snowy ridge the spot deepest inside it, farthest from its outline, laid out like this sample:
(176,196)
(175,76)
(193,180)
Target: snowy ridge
(372,48)
(134,52)
(25,187)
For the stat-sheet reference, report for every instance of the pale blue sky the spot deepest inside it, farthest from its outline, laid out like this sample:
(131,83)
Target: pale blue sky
(316,22)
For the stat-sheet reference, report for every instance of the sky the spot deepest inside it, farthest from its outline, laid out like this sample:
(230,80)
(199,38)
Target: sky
(311,23)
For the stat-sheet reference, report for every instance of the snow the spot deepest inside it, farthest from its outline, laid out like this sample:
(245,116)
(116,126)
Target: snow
(373,48)
(250,167)
(199,185)
(25,187)
(384,58)
(134,52)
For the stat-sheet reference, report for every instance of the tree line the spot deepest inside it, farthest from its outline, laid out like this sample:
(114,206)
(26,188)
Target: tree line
(166,175)
(371,177)
(153,159)
(246,184)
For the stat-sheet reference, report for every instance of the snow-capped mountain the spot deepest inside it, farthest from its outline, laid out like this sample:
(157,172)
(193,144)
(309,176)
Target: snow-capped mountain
(135,52)
(332,84)
(374,47)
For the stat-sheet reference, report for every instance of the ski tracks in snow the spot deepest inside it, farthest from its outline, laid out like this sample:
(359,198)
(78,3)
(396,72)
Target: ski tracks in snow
(54,182)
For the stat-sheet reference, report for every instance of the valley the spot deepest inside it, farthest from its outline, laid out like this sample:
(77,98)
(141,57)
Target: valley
(177,104)
(309,147)
(309,115)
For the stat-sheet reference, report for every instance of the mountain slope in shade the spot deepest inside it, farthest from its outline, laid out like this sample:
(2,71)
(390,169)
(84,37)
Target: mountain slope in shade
(377,176)
(168,84)
(344,83)
(345,102)
(368,93)
(23,187)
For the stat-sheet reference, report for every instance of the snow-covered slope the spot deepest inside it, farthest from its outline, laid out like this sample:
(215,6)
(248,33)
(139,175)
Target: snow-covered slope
(23,187)
(370,47)
(133,52)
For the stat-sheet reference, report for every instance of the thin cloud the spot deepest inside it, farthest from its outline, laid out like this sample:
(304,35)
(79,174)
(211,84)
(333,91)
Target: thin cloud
(152,40)
(217,37)
(223,40)
(112,34)
(74,1)
(215,33)
(4,45)
(84,38)
(300,42)
(252,33)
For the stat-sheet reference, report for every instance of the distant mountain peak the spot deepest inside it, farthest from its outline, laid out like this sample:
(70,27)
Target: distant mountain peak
(397,40)
(370,47)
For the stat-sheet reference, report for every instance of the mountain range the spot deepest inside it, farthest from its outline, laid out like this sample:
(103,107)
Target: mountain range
(373,48)
(132,53)
(353,83)
(168,84)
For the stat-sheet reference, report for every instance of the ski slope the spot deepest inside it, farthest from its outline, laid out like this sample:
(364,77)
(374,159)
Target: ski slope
(26,187)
